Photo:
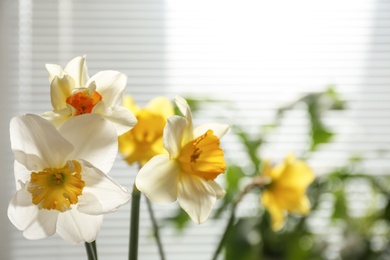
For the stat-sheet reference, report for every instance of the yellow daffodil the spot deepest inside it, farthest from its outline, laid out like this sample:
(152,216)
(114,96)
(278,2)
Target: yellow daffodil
(61,180)
(286,191)
(145,140)
(188,172)
(73,93)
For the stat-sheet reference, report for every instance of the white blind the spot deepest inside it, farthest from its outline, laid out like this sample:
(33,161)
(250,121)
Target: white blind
(254,56)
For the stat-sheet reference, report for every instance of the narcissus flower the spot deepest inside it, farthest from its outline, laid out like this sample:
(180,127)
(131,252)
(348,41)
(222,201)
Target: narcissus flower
(286,191)
(145,140)
(73,93)
(61,180)
(188,173)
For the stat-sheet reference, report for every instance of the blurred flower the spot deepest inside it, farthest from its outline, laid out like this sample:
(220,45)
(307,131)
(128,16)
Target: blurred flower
(286,191)
(73,93)
(188,173)
(61,180)
(144,141)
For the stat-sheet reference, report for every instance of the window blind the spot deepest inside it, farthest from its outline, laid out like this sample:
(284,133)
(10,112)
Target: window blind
(253,57)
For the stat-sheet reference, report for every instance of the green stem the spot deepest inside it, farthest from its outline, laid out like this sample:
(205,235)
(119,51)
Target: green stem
(134,223)
(227,232)
(156,232)
(94,248)
(91,253)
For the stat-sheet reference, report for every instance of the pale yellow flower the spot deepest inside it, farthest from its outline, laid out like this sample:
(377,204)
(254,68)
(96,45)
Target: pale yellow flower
(144,141)
(287,189)
(188,172)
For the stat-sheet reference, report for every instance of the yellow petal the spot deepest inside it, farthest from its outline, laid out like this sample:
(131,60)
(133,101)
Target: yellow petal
(302,207)
(162,106)
(286,192)
(128,102)
(276,212)
(297,174)
(144,141)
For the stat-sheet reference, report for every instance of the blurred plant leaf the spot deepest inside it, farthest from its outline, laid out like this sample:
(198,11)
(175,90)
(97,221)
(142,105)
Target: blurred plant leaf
(340,210)
(337,102)
(386,211)
(317,104)
(252,146)
(319,132)
(233,176)
(180,220)
(244,242)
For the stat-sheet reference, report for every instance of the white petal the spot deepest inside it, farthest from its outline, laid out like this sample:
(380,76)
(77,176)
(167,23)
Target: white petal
(22,174)
(110,85)
(122,118)
(21,210)
(58,117)
(218,129)
(43,226)
(158,179)
(60,90)
(95,140)
(219,191)
(76,227)
(34,135)
(77,69)
(186,111)
(196,197)
(30,161)
(173,135)
(183,106)
(54,71)
(101,193)
(91,87)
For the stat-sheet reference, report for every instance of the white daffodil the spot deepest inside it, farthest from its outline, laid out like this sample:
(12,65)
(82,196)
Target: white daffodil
(73,93)
(188,173)
(61,180)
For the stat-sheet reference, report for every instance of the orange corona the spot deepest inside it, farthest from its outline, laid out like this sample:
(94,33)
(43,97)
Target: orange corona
(83,102)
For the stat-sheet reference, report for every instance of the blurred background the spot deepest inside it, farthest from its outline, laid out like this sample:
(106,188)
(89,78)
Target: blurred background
(309,77)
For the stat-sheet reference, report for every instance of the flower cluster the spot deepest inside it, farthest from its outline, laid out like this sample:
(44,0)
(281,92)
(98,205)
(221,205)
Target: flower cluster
(63,158)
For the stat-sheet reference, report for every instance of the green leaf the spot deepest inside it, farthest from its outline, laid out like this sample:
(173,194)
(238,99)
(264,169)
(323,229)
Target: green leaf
(251,146)
(340,210)
(337,102)
(233,176)
(319,135)
(180,220)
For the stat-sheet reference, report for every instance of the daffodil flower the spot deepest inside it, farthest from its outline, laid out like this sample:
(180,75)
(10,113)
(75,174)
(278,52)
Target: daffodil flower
(73,93)
(61,180)
(188,172)
(144,141)
(286,191)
